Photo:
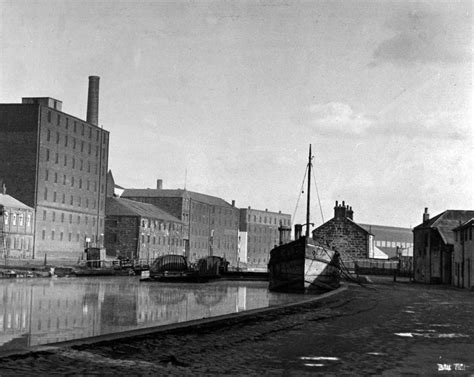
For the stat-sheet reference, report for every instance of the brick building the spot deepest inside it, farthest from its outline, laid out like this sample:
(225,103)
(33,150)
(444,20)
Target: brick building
(341,233)
(16,228)
(210,224)
(260,231)
(138,230)
(433,249)
(56,163)
(463,256)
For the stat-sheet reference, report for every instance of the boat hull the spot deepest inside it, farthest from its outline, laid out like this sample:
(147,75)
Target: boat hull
(302,266)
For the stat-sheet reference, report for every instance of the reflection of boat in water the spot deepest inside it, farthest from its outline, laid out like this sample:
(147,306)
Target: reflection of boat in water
(174,267)
(302,265)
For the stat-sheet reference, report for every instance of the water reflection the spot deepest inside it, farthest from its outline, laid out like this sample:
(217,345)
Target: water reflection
(40,311)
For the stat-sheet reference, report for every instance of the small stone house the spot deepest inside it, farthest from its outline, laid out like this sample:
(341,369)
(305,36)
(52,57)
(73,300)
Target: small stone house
(341,233)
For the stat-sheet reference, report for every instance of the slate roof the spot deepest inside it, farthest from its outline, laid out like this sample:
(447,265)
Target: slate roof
(446,221)
(155,193)
(10,202)
(127,207)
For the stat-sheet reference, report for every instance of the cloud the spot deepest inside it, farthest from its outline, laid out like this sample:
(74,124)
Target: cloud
(338,118)
(426,36)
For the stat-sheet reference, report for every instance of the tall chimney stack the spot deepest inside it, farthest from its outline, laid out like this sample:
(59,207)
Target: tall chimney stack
(159,184)
(93,101)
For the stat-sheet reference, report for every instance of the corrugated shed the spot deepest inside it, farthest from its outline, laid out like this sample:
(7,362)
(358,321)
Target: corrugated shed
(127,207)
(389,233)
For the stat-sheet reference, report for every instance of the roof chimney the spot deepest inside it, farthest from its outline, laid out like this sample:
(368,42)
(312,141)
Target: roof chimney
(93,101)
(159,184)
(233,203)
(426,215)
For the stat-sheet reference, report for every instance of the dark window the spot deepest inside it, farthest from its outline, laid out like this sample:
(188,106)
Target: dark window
(57,158)
(75,128)
(59,119)
(45,193)
(65,141)
(90,133)
(82,130)
(55,177)
(64,179)
(48,135)
(47,154)
(65,160)
(49,120)
(46,175)
(67,123)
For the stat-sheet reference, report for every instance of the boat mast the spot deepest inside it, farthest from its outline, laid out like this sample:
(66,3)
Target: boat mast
(308,193)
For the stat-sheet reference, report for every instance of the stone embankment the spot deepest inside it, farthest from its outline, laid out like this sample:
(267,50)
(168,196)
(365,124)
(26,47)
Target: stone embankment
(386,328)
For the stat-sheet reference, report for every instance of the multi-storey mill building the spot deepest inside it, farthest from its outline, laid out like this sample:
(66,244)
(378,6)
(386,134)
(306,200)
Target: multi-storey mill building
(57,164)
(260,231)
(210,224)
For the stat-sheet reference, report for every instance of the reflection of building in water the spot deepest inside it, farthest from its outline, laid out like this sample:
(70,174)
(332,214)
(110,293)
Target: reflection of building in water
(241,299)
(118,309)
(63,313)
(161,304)
(14,315)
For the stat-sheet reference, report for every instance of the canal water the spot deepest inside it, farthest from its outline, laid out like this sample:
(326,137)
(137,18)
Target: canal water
(36,312)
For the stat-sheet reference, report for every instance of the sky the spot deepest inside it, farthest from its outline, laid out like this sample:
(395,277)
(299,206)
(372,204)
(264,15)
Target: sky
(225,97)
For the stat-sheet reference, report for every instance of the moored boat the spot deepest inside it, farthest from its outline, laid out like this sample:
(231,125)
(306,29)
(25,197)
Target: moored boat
(303,265)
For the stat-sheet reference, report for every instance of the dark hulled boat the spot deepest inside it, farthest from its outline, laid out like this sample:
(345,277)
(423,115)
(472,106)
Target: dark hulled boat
(303,265)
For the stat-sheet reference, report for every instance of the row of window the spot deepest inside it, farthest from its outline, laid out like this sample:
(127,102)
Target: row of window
(62,218)
(464,234)
(15,218)
(71,162)
(76,144)
(78,127)
(79,202)
(159,225)
(18,243)
(393,244)
(72,181)
(269,220)
(161,240)
(60,236)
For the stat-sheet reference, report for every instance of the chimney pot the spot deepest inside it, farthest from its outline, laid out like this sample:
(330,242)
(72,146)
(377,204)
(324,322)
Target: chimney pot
(159,184)
(93,101)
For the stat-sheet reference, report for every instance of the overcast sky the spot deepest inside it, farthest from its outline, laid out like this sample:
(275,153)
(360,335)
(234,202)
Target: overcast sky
(228,95)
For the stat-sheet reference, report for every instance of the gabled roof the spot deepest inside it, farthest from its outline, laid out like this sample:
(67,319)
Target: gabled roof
(446,221)
(465,225)
(10,202)
(348,219)
(155,193)
(127,207)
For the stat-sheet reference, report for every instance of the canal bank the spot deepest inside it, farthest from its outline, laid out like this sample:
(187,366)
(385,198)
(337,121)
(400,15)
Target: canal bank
(384,329)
